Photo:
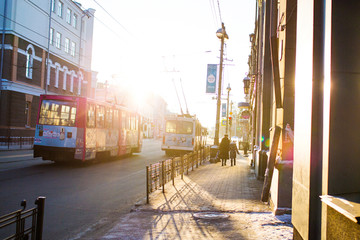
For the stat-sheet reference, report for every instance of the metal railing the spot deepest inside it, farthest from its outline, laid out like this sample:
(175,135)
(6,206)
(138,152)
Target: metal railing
(162,172)
(16,222)
(11,142)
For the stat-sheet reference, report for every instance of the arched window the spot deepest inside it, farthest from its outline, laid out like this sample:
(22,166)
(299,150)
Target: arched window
(29,61)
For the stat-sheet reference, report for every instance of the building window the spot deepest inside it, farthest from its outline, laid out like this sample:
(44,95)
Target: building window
(28,113)
(53,5)
(29,62)
(60,9)
(51,36)
(68,16)
(58,40)
(73,49)
(67,45)
(74,22)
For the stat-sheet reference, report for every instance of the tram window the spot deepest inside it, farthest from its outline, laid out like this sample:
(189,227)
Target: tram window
(185,128)
(132,122)
(53,112)
(65,113)
(170,127)
(90,117)
(100,116)
(72,116)
(128,121)
(116,119)
(123,119)
(136,123)
(109,118)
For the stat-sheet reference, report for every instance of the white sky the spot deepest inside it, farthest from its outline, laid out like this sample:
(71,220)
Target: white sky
(163,35)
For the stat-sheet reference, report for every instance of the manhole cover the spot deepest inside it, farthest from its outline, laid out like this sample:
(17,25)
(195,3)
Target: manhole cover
(211,215)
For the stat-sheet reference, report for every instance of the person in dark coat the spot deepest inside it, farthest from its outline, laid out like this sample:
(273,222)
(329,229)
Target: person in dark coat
(233,151)
(224,149)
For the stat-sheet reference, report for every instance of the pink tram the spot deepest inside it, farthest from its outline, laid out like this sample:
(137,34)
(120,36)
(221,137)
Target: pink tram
(73,128)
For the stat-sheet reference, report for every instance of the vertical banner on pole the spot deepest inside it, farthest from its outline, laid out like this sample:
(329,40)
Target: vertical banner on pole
(223,110)
(211,78)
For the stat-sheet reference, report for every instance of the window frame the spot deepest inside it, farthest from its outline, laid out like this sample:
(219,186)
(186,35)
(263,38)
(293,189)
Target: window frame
(28,113)
(67,45)
(100,116)
(58,40)
(51,113)
(75,20)
(109,117)
(53,6)
(73,48)
(29,63)
(68,15)
(52,31)
(60,9)
(91,116)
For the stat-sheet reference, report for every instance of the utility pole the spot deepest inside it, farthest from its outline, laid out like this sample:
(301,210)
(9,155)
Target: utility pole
(221,34)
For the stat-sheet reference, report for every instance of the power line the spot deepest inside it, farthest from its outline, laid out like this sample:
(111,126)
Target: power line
(121,38)
(219,10)
(112,17)
(213,12)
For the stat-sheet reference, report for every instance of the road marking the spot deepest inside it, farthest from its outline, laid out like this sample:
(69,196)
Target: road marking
(14,156)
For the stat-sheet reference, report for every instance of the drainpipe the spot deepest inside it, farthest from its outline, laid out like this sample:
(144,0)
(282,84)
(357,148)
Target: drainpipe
(3,47)
(81,30)
(48,51)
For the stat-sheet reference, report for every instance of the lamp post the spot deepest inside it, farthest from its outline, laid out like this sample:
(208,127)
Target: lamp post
(227,109)
(246,82)
(222,35)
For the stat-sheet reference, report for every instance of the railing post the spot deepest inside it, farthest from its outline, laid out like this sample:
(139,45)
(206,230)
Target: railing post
(182,167)
(40,202)
(163,176)
(8,142)
(192,161)
(173,170)
(147,184)
(18,224)
(187,164)
(197,158)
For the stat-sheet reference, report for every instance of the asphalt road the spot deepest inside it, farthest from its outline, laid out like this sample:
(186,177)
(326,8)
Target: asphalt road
(81,200)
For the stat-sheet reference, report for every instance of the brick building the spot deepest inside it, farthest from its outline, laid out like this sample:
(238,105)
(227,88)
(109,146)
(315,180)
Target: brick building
(46,47)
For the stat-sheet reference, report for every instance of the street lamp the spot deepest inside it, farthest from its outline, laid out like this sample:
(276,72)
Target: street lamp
(227,108)
(246,85)
(222,35)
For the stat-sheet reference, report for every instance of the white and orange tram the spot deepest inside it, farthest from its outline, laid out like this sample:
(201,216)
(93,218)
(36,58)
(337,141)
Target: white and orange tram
(71,128)
(183,133)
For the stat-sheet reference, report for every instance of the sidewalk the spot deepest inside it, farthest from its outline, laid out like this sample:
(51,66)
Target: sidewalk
(212,202)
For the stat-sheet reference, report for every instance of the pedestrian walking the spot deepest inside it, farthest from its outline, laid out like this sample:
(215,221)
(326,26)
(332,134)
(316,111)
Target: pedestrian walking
(233,151)
(224,149)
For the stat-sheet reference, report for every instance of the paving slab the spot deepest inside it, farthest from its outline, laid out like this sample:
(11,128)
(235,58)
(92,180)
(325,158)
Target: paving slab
(209,190)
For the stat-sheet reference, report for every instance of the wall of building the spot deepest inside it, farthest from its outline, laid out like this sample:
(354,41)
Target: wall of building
(27,37)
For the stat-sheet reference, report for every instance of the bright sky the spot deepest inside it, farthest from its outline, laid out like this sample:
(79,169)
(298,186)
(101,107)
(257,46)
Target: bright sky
(143,41)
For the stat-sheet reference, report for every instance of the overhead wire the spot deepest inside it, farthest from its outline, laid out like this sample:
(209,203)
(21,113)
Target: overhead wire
(213,12)
(110,29)
(218,2)
(107,12)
